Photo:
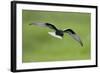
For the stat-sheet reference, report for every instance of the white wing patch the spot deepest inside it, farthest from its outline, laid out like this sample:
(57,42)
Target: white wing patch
(54,35)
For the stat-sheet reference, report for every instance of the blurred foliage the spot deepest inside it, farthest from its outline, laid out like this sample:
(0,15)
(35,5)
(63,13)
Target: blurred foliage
(39,46)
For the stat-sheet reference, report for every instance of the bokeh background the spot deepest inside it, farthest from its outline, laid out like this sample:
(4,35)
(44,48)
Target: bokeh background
(39,46)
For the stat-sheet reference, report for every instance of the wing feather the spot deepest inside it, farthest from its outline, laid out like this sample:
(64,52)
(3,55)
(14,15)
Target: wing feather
(42,24)
(74,35)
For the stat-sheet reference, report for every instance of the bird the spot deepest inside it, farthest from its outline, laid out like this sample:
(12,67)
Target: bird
(58,33)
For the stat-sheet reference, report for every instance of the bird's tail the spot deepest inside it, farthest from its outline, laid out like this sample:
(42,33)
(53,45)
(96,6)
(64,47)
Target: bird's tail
(54,35)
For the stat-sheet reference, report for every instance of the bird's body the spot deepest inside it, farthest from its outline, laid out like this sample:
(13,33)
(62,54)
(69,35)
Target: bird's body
(57,32)
(54,35)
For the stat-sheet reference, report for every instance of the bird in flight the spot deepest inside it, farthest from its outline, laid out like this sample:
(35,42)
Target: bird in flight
(57,32)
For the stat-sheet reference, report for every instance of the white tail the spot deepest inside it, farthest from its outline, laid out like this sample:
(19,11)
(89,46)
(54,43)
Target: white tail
(54,35)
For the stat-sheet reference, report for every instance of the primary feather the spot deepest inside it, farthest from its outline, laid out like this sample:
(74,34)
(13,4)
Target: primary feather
(74,35)
(42,24)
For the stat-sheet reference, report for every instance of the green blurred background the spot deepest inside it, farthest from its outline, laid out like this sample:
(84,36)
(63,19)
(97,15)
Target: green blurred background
(39,46)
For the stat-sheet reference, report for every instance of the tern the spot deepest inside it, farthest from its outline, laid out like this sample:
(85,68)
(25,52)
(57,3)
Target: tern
(57,32)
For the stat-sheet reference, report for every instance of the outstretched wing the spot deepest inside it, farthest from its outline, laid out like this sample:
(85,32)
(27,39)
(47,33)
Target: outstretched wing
(49,25)
(74,35)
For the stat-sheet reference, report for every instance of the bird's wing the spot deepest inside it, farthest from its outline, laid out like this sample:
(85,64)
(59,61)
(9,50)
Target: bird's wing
(49,25)
(74,35)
